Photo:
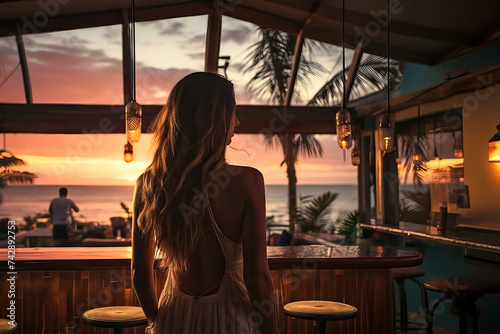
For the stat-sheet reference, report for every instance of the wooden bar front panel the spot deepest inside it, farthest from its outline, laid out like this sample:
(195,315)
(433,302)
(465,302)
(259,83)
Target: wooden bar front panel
(53,301)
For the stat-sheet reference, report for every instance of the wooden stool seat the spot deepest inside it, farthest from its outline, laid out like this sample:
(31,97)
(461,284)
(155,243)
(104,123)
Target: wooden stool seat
(463,284)
(6,328)
(400,275)
(408,272)
(464,292)
(320,311)
(116,317)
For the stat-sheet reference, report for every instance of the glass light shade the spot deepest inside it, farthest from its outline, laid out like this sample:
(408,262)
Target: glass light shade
(128,152)
(133,121)
(418,156)
(387,124)
(494,147)
(343,120)
(355,156)
(458,153)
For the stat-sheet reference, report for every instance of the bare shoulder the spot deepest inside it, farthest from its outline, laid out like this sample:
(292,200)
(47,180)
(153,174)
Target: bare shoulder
(245,176)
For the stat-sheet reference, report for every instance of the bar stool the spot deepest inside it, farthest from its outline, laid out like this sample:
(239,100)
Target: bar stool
(6,328)
(116,317)
(400,275)
(463,292)
(320,311)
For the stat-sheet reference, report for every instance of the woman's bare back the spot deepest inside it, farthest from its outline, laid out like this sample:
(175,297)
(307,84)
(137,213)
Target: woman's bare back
(227,198)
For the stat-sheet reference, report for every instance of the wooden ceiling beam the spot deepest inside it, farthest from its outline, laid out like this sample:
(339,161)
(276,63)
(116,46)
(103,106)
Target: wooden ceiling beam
(99,19)
(372,47)
(212,43)
(353,70)
(357,19)
(264,19)
(80,119)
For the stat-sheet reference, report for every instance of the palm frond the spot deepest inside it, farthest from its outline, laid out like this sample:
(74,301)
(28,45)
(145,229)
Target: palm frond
(270,62)
(350,228)
(8,176)
(8,160)
(407,143)
(308,145)
(371,77)
(313,211)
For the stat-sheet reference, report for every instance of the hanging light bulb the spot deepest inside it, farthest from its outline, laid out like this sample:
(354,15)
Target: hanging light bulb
(418,155)
(343,117)
(343,120)
(458,151)
(387,122)
(133,110)
(355,156)
(386,133)
(128,152)
(494,147)
(133,116)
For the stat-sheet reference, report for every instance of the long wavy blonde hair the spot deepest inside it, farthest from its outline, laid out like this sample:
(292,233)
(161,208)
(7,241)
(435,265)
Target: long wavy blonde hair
(190,134)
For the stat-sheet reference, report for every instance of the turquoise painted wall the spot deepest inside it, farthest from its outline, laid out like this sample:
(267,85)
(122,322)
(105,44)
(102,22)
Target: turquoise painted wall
(422,76)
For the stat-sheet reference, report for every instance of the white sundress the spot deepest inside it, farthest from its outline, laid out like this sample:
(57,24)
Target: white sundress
(228,311)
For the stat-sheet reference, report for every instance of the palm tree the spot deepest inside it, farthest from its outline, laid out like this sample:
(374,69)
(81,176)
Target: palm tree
(9,176)
(271,58)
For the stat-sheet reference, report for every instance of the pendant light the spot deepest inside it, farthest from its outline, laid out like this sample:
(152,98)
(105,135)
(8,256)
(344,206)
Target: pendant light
(133,110)
(494,146)
(387,122)
(355,156)
(128,152)
(418,155)
(343,117)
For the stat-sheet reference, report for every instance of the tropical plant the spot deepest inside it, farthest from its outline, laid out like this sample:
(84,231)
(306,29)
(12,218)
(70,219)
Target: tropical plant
(350,229)
(313,212)
(30,222)
(9,176)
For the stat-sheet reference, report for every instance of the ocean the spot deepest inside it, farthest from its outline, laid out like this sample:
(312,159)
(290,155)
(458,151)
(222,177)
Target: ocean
(99,203)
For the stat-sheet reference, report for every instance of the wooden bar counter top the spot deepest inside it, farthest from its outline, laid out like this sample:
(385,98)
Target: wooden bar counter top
(279,257)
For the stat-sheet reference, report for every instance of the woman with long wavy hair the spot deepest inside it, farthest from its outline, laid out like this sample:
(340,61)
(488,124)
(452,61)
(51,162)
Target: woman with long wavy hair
(204,218)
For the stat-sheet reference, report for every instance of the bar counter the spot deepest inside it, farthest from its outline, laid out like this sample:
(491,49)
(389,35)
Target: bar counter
(279,257)
(55,285)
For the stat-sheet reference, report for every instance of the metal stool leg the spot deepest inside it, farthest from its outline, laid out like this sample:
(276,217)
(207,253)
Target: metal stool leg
(321,326)
(402,305)
(431,312)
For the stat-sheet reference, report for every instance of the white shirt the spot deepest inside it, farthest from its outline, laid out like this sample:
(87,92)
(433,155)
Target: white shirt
(61,210)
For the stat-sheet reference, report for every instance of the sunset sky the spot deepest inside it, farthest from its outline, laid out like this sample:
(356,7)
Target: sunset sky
(85,67)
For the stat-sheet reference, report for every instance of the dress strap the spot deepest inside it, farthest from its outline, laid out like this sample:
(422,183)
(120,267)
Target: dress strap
(216,228)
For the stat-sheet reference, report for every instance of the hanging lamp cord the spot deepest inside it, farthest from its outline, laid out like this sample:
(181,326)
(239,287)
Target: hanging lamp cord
(343,54)
(132,46)
(388,65)
(418,126)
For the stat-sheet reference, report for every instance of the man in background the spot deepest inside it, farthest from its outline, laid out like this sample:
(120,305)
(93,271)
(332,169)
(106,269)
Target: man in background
(60,211)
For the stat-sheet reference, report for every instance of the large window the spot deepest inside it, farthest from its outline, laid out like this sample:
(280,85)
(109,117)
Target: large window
(11,80)
(78,66)
(430,167)
(166,51)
